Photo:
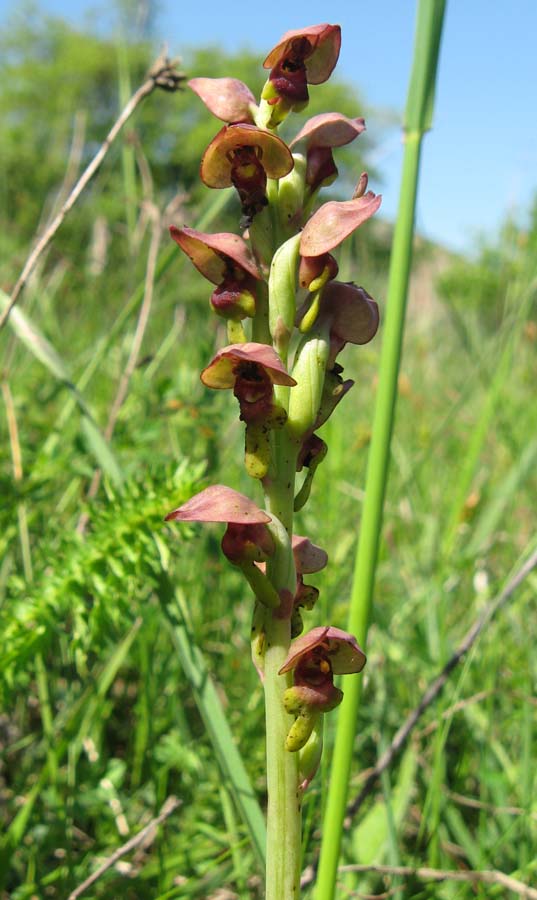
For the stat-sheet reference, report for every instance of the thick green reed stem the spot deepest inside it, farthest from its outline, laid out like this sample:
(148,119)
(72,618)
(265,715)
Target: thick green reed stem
(284,823)
(417,121)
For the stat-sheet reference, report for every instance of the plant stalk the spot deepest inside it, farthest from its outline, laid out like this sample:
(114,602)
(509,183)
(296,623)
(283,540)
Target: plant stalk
(284,819)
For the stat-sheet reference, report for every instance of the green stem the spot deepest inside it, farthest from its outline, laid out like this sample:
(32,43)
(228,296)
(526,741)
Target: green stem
(284,823)
(418,119)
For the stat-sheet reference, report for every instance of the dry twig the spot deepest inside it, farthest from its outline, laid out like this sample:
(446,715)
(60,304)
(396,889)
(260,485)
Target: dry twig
(168,808)
(163,74)
(424,874)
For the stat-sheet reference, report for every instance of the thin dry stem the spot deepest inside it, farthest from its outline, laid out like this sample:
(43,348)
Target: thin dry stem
(169,806)
(163,74)
(472,803)
(425,874)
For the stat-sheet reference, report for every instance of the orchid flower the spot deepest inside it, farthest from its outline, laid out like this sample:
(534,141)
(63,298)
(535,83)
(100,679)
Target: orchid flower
(245,156)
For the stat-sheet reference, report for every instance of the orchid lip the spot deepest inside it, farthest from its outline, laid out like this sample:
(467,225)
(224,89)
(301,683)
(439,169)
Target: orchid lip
(217,162)
(221,373)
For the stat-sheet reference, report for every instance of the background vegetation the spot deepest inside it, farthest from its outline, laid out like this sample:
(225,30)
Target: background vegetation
(101,715)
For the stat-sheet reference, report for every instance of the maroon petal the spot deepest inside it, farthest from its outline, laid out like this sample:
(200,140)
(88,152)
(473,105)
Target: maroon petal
(216,164)
(219,503)
(220,373)
(342,649)
(208,252)
(334,221)
(227,98)
(329,130)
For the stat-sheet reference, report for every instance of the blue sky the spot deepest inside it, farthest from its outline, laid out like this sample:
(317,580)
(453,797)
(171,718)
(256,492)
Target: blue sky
(480,160)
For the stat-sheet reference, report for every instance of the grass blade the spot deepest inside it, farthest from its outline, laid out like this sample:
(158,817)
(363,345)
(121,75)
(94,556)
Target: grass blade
(418,119)
(229,758)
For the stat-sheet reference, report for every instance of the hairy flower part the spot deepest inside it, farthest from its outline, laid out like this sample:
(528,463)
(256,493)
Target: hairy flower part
(321,134)
(247,537)
(226,260)
(303,56)
(228,99)
(245,156)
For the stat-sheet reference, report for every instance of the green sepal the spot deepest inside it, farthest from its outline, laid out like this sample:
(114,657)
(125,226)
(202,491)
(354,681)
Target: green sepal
(291,193)
(281,565)
(282,293)
(305,397)
(262,235)
(264,591)
(270,115)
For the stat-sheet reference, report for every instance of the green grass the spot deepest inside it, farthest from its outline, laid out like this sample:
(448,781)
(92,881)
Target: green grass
(94,685)
(124,649)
